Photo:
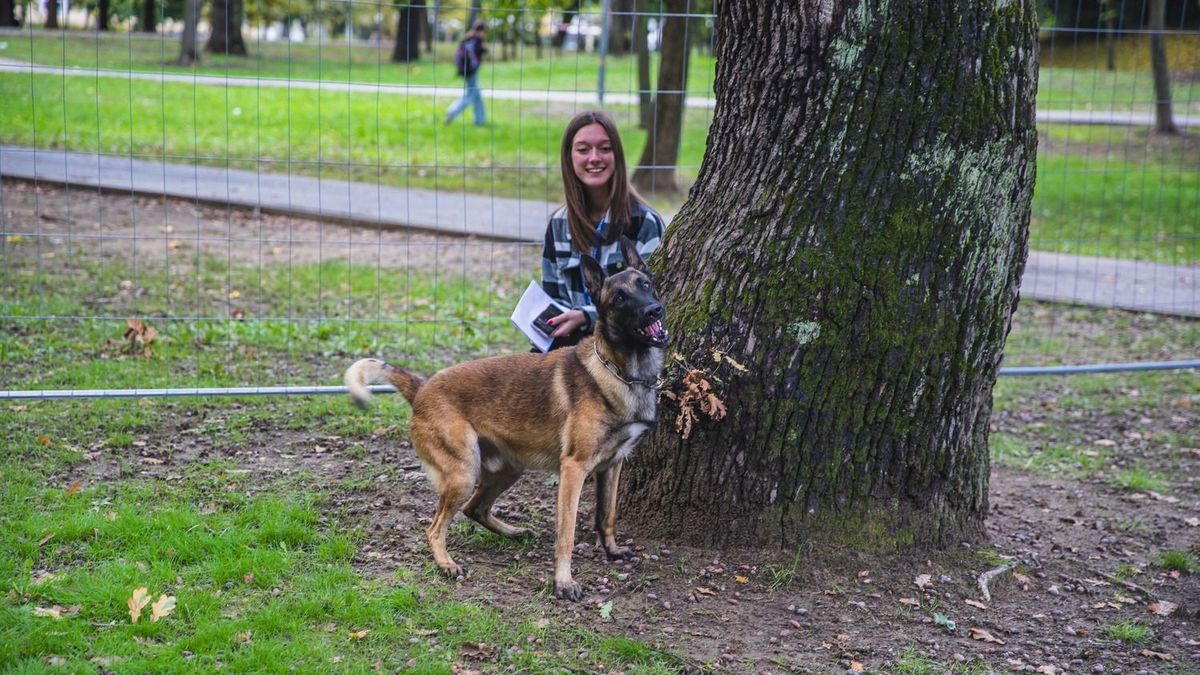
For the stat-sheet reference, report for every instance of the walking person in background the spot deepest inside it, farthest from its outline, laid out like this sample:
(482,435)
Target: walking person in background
(467,60)
(601,206)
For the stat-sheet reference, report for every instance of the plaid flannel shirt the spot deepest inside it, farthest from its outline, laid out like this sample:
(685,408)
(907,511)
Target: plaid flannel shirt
(561,275)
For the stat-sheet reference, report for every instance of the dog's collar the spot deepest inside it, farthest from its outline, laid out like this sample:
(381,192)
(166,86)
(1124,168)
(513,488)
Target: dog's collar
(657,384)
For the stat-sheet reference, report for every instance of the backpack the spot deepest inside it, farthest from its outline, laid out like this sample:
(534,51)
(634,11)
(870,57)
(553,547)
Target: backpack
(466,62)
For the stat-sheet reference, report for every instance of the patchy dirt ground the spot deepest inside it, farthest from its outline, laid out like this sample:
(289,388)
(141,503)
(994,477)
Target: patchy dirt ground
(1084,549)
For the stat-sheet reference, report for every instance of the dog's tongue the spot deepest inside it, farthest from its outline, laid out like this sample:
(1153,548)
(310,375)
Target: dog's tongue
(654,329)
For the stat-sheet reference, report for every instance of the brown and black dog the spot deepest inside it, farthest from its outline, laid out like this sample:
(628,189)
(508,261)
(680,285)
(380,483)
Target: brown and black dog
(478,426)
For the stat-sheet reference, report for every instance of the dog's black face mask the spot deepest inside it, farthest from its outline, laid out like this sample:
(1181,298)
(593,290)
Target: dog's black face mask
(630,311)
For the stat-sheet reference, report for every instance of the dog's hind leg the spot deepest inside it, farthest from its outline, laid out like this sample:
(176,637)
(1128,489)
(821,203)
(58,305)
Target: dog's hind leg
(606,512)
(452,463)
(496,475)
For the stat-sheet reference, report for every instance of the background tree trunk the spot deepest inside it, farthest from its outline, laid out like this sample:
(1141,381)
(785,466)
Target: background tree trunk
(52,14)
(409,17)
(8,14)
(1164,122)
(148,21)
(855,239)
(188,54)
(226,37)
(103,9)
(642,47)
(620,27)
(656,168)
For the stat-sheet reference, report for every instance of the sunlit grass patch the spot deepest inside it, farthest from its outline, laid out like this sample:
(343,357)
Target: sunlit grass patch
(1128,631)
(1178,561)
(1138,480)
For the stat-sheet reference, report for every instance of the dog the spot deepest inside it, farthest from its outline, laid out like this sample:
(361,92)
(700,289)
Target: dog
(478,426)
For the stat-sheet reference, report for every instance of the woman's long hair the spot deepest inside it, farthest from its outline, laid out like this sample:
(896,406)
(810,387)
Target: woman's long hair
(621,196)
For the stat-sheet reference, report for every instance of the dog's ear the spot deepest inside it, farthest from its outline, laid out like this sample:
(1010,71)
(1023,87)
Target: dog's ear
(593,277)
(632,259)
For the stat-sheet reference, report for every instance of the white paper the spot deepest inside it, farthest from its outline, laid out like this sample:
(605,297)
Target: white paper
(532,303)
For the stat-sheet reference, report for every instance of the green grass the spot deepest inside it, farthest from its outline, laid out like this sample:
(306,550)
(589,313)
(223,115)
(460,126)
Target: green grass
(1139,480)
(1128,631)
(336,61)
(1178,561)
(261,568)
(914,662)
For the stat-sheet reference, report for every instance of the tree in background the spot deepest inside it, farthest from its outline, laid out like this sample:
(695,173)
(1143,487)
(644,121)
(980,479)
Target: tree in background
(188,53)
(103,10)
(656,168)
(1164,122)
(52,14)
(409,17)
(226,37)
(641,46)
(148,19)
(854,242)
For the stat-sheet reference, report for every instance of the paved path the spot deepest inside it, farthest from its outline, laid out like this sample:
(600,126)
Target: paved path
(1102,282)
(585,97)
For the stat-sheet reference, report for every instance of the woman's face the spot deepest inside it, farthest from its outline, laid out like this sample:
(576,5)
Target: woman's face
(592,157)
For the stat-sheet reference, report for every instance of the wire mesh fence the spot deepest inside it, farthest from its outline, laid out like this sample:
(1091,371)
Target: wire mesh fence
(253,220)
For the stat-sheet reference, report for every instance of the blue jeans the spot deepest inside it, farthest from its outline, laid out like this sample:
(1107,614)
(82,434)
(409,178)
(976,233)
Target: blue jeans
(471,96)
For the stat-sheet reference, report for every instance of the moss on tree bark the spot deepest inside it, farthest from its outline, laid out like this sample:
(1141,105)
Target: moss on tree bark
(855,237)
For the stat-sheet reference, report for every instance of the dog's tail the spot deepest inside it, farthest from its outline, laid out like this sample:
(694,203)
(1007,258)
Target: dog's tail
(366,372)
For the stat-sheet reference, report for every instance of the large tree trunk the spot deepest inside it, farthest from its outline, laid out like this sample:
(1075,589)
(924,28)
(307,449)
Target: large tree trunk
(8,14)
(226,37)
(656,168)
(642,47)
(52,14)
(1164,122)
(188,54)
(408,31)
(148,21)
(855,240)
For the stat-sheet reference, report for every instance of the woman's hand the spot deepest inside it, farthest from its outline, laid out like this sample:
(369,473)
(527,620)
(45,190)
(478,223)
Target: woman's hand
(567,322)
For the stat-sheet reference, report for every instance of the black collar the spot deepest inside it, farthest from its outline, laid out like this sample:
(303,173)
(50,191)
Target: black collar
(657,384)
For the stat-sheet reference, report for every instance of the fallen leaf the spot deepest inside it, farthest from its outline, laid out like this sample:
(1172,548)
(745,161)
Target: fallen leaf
(243,638)
(139,599)
(857,667)
(359,634)
(51,612)
(910,601)
(741,579)
(1050,670)
(248,577)
(1020,577)
(976,603)
(1163,608)
(1104,442)
(44,441)
(162,607)
(43,578)
(606,610)
(1194,522)
(1158,655)
(944,621)
(983,635)
(74,487)
(476,650)
(43,540)
(923,581)
(705,591)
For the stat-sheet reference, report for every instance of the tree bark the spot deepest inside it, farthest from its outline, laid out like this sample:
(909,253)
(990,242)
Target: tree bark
(642,47)
(656,168)
(1164,121)
(226,36)
(52,14)
(188,54)
(8,14)
(408,31)
(148,21)
(855,240)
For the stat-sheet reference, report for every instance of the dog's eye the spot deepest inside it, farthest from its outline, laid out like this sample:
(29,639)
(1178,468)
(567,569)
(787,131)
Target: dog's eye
(619,299)
(645,284)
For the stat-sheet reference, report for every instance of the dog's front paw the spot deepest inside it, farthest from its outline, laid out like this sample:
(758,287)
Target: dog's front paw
(570,591)
(452,570)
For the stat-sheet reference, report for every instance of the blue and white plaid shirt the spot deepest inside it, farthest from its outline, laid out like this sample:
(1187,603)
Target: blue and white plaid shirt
(561,275)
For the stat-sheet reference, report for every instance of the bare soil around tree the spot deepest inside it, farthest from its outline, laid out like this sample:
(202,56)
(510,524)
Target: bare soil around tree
(1073,556)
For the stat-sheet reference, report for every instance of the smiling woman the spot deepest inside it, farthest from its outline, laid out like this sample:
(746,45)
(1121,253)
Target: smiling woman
(601,206)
